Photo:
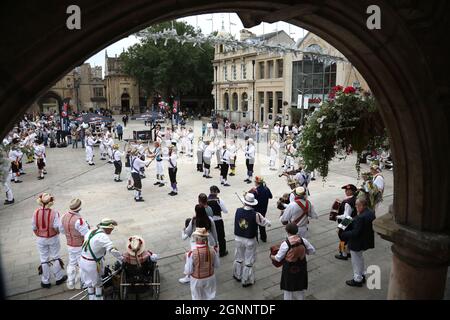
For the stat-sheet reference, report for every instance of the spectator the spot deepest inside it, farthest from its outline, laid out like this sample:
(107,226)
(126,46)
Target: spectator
(119,130)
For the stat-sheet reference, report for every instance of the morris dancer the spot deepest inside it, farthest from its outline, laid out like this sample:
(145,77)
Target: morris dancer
(39,153)
(299,211)
(245,230)
(75,228)
(289,156)
(218,144)
(157,155)
(249,159)
(46,226)
(207,155)
(103,146)
(200,150)
(190,142)
(225,164)
(274,151)
(14,157)
(172,165)
(137,163)
(117,157)
(109,143)
(90,142)
(128,169)
(200,264)
(96,244)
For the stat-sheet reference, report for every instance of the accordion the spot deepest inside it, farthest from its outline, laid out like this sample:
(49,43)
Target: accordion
(273,251)
(334,210)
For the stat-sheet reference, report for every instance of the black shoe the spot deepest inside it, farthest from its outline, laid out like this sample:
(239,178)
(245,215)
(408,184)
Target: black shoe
(247,285)
(7,202)
(226,185)
(173,193)
(364,279)
(40,178)
(46,285)
(62,280)
(208,177)
(139,200)
(341,257)
(223,254)
(204,176)
(18,181)
(238,280)
(264,240)
(232,174)
(23,173)
(248,182)
(119,180)
(130,189)
(92,164)
(313,179)
(217,167)
(161,184)
(45,172)
(353,283)
(156,183)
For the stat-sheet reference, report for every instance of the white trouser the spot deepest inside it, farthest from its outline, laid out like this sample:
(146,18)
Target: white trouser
(8,190)
(245,257)
(102,150)
(303,231)
(73,267)
(110,154)
(273,158)
(203,289)
(294,295)
(189,147)
(90,275)
(49,250)
(159,167)
(289,163)
(89,154)
(357,265)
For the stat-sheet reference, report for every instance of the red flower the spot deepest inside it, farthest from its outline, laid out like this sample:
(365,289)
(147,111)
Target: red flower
(337,89)
(349,90)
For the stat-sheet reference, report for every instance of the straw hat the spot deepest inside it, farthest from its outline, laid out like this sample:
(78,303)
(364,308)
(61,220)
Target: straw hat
(107,224)
(75,204)
(45,200)
(201,232)
(116,147)
(375,168)
(136,245)
(250,200)
(300,191)
(250,140)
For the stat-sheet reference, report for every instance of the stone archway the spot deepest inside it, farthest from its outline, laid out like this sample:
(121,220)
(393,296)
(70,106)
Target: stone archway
(404,64)
(50,102)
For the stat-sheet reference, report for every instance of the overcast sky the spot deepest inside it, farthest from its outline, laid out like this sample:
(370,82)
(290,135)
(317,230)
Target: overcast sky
(229,21)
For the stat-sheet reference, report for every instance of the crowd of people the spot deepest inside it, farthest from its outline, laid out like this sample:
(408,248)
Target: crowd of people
(87,246)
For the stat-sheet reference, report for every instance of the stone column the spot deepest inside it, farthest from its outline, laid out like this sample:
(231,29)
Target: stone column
(420,261)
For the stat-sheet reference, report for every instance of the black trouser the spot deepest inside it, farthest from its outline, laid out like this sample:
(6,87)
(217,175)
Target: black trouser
(221,236)
(136,181)
(118,167)
(120,135)
(249,167)
(224,170)
(173,175)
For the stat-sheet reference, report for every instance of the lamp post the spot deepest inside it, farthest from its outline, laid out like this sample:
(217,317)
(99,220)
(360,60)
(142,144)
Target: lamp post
(253,108)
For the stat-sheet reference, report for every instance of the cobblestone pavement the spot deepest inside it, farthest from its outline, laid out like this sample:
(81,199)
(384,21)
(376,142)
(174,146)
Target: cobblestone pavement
(160,219)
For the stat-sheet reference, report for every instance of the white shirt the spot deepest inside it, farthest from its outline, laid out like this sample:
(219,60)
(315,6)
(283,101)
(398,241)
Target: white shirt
(250,152)
(14,155)
(172,160)
(117,155)
(284,249)
(90,141)
(225,156)
(39,151)
(303,178)
(100,244)
(347,211)
(293,212)
(137,164)
(378,180)
(209,150)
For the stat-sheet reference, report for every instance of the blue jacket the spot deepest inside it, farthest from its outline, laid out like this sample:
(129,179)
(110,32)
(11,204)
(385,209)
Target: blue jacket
(360,235)
(263,195)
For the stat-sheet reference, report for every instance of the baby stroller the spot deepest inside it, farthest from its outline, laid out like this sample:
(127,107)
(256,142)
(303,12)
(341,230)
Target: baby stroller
(140,281)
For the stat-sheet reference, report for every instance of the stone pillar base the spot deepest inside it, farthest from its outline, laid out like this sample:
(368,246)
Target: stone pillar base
(420,261)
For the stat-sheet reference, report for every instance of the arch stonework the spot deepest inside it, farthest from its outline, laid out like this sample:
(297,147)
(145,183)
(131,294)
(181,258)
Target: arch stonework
(403,63)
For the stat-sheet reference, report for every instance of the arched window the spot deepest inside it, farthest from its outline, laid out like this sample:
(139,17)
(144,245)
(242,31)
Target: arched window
(226,101)
(244,103)
(235,102)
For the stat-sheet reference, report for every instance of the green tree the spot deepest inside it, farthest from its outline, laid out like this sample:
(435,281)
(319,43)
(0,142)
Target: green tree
(169,67)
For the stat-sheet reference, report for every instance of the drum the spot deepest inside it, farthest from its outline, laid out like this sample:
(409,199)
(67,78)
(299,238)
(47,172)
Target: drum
(334,210)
